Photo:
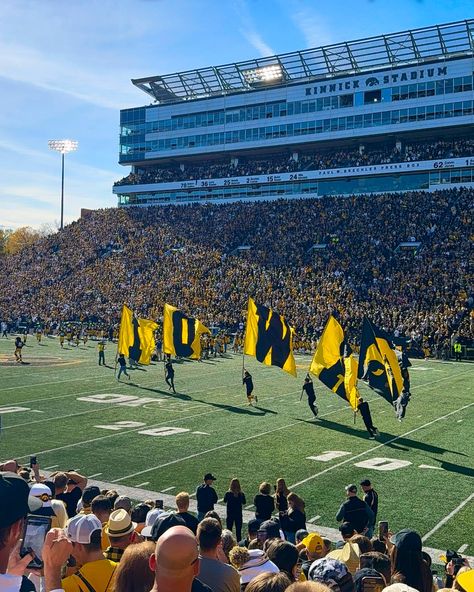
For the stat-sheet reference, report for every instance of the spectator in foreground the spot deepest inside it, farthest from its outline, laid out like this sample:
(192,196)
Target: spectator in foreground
(121,532)
(308,587)
(268,530)
(14,495)
(269,582)
(285,556)
(175,561)
(408,565)
(133,573)
(182,504)
(69,486)
(332,573)
(294,519)
(315,549)
(250,563)
(84,533)
(252,529)
(219,576)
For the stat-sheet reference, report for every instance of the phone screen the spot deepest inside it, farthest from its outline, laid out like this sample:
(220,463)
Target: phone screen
(383,530)
(373,584)
(34,534)
(159,504)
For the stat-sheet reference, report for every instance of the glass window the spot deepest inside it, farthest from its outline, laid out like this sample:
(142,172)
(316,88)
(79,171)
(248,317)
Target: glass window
(448,110)
(457,85)
(467,108)
(413,91)
(448,86)
(467,83)
(346,100)
(457,109)
(372,96)
(377,119)
(403,115)
(422,89)
(466,176)
(439,87)
(396,93)
(430,89)
(404,92)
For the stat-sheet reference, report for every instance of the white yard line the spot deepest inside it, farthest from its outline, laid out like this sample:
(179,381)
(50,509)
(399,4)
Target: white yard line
(121,433)
(462,548)
(227,445)
(53,467)
(344,462)
(143,484)
(167,489)
(448,517)
(314,519)
(94,475)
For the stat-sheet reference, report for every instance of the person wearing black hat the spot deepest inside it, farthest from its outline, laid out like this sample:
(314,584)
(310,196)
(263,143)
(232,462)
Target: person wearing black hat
(206,496)
(269,529)
(15,503)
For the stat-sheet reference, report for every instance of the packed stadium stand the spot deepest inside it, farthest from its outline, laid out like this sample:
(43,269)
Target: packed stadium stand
(402,259)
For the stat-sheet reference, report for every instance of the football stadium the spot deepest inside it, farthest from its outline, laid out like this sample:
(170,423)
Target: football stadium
(274,329)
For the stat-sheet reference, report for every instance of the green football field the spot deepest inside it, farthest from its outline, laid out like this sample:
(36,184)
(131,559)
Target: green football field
(71,413)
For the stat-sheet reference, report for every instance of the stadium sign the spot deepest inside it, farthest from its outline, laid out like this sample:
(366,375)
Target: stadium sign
(353,171)
(375,81)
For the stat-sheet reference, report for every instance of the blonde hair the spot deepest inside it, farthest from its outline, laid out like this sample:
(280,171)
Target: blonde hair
(308,587)
(297,502)
(276,582)
(238,556)
(265,488)
(182,500)
(133,573)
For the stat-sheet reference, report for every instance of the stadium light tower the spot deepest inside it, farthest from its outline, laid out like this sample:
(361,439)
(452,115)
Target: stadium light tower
(63,146)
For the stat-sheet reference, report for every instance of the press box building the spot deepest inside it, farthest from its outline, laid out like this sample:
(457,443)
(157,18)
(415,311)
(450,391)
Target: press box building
(387,90)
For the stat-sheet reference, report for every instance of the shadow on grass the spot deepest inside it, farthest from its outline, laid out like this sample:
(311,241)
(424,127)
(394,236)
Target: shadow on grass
(401,443)
(453,468)
(161,392)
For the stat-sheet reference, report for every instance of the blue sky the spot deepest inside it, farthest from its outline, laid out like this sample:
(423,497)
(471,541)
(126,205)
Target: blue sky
(65,70)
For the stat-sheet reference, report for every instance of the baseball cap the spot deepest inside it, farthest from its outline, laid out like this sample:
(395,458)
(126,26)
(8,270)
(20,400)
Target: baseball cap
(43,493)
(80,528)
(123,501)
(270,528)
(164,522)
(89,493)
(352,488)
(119,524)
(313,542)
(333,573)
(466,580)
(408,539)
(150,519)
(253,525)
(360,574)
(15,497)
(209,476)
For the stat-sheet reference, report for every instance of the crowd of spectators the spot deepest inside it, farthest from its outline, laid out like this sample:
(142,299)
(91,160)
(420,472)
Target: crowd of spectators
(190,257)
(100,541)
(317,160)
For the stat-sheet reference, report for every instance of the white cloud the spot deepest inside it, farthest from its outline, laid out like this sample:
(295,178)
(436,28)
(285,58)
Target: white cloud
(249,31)
(312,25)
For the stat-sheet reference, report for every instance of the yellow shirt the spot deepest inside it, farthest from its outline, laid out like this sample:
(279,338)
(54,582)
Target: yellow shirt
(98,573)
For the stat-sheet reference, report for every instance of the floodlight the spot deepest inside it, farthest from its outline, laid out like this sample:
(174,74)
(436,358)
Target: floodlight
(63,146)
(265,74)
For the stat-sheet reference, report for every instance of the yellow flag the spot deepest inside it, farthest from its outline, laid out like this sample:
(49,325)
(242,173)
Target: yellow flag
(182,334)
(136,337)
(146,334)
(269,338)
(126,332)
(327,362)
(350,381)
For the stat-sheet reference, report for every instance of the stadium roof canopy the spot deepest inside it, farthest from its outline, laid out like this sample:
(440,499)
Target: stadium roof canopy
(418,46)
